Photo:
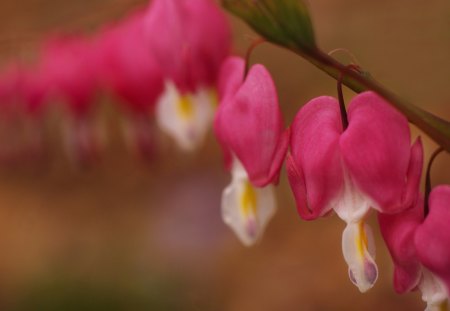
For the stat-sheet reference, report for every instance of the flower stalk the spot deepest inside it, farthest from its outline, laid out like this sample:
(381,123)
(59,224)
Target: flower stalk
(287,23)
(428,180)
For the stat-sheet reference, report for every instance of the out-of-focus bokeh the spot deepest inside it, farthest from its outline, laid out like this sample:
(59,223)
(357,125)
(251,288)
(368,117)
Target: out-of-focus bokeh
(127,234)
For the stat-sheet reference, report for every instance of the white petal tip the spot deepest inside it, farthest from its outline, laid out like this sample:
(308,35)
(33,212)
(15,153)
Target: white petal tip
(367,277)
(246,209)
(359,253)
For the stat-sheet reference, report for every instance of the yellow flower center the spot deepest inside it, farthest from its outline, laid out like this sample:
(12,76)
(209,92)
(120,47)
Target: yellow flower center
(361,239)
(248,201)
(185,107)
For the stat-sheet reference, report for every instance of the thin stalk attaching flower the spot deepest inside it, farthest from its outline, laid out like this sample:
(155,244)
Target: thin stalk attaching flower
(428,179)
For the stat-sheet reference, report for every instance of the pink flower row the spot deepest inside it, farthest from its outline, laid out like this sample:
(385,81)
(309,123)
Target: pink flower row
(169,60)
(368,165)
(156,62)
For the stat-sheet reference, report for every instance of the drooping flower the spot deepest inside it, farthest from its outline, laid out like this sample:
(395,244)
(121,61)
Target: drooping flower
(249,127)
(23,97)
(130,72)
(420,248)
(69,66)
(432,239)
(189,39)
(368,165)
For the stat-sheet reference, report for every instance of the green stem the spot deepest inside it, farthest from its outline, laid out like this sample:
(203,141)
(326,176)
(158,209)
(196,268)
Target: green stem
(438,129)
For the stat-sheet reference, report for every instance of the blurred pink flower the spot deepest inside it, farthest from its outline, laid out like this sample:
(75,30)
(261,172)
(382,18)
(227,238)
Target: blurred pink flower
(189,39)
(130,72)
(249,127)
(126,66)
(369,165)
(23,97)
(69,65)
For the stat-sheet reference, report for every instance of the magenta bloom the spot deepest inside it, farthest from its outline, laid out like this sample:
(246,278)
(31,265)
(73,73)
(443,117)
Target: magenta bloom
(249,123)
(69,65)
(420,248)
(398,232)
(432,239)
(23,95)
(369,165)
(189,39)
(130,72)
(249,127)
(35,91)
(127,67)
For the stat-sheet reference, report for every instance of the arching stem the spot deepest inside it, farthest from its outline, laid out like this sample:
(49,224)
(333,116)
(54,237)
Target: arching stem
(250,50)
(428,180)
(344,117)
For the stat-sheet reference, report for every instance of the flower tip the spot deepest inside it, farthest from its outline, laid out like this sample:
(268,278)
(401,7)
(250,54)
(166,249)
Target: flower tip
(251,228)
(367,278)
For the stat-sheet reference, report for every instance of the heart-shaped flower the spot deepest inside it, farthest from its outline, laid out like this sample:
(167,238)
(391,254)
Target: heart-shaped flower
(368,165)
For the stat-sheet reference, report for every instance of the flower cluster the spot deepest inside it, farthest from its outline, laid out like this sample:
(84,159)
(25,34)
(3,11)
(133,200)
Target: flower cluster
(171,62)
(366,163)
(160,63)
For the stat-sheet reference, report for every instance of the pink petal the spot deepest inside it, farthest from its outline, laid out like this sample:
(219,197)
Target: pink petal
(251,126)
(130,70)
(190,39)
(230,80)
(376,150)
(314,168)
(231,76)
(35,91)
(68,64)
(413,174)
(209,33)
(164,32)
(398,231)
(432,239)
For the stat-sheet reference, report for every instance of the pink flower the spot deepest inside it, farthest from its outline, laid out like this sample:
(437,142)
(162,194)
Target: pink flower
(398,231)
(420,248)
(432,238)
(189,39)
(128,68)
(130,72)
(368,165)
(69,65)
(23,93)
(249,127)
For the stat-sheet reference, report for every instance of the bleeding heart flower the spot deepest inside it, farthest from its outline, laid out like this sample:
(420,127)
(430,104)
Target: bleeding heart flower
(69,66)
(249,127)
(420,248)
(131,73)
(70,69)
(189,39)
(128,68)
(23,94)
(368,165)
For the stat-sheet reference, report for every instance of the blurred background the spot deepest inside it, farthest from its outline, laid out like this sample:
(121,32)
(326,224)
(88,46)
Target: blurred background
(128,234)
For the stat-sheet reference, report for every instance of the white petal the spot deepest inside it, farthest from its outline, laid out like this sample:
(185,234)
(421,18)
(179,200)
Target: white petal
(186,118)
(352,204)
(247,209)
(434,292)
(359,253)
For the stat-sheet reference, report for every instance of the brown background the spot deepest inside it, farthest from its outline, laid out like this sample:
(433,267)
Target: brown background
(130,235)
